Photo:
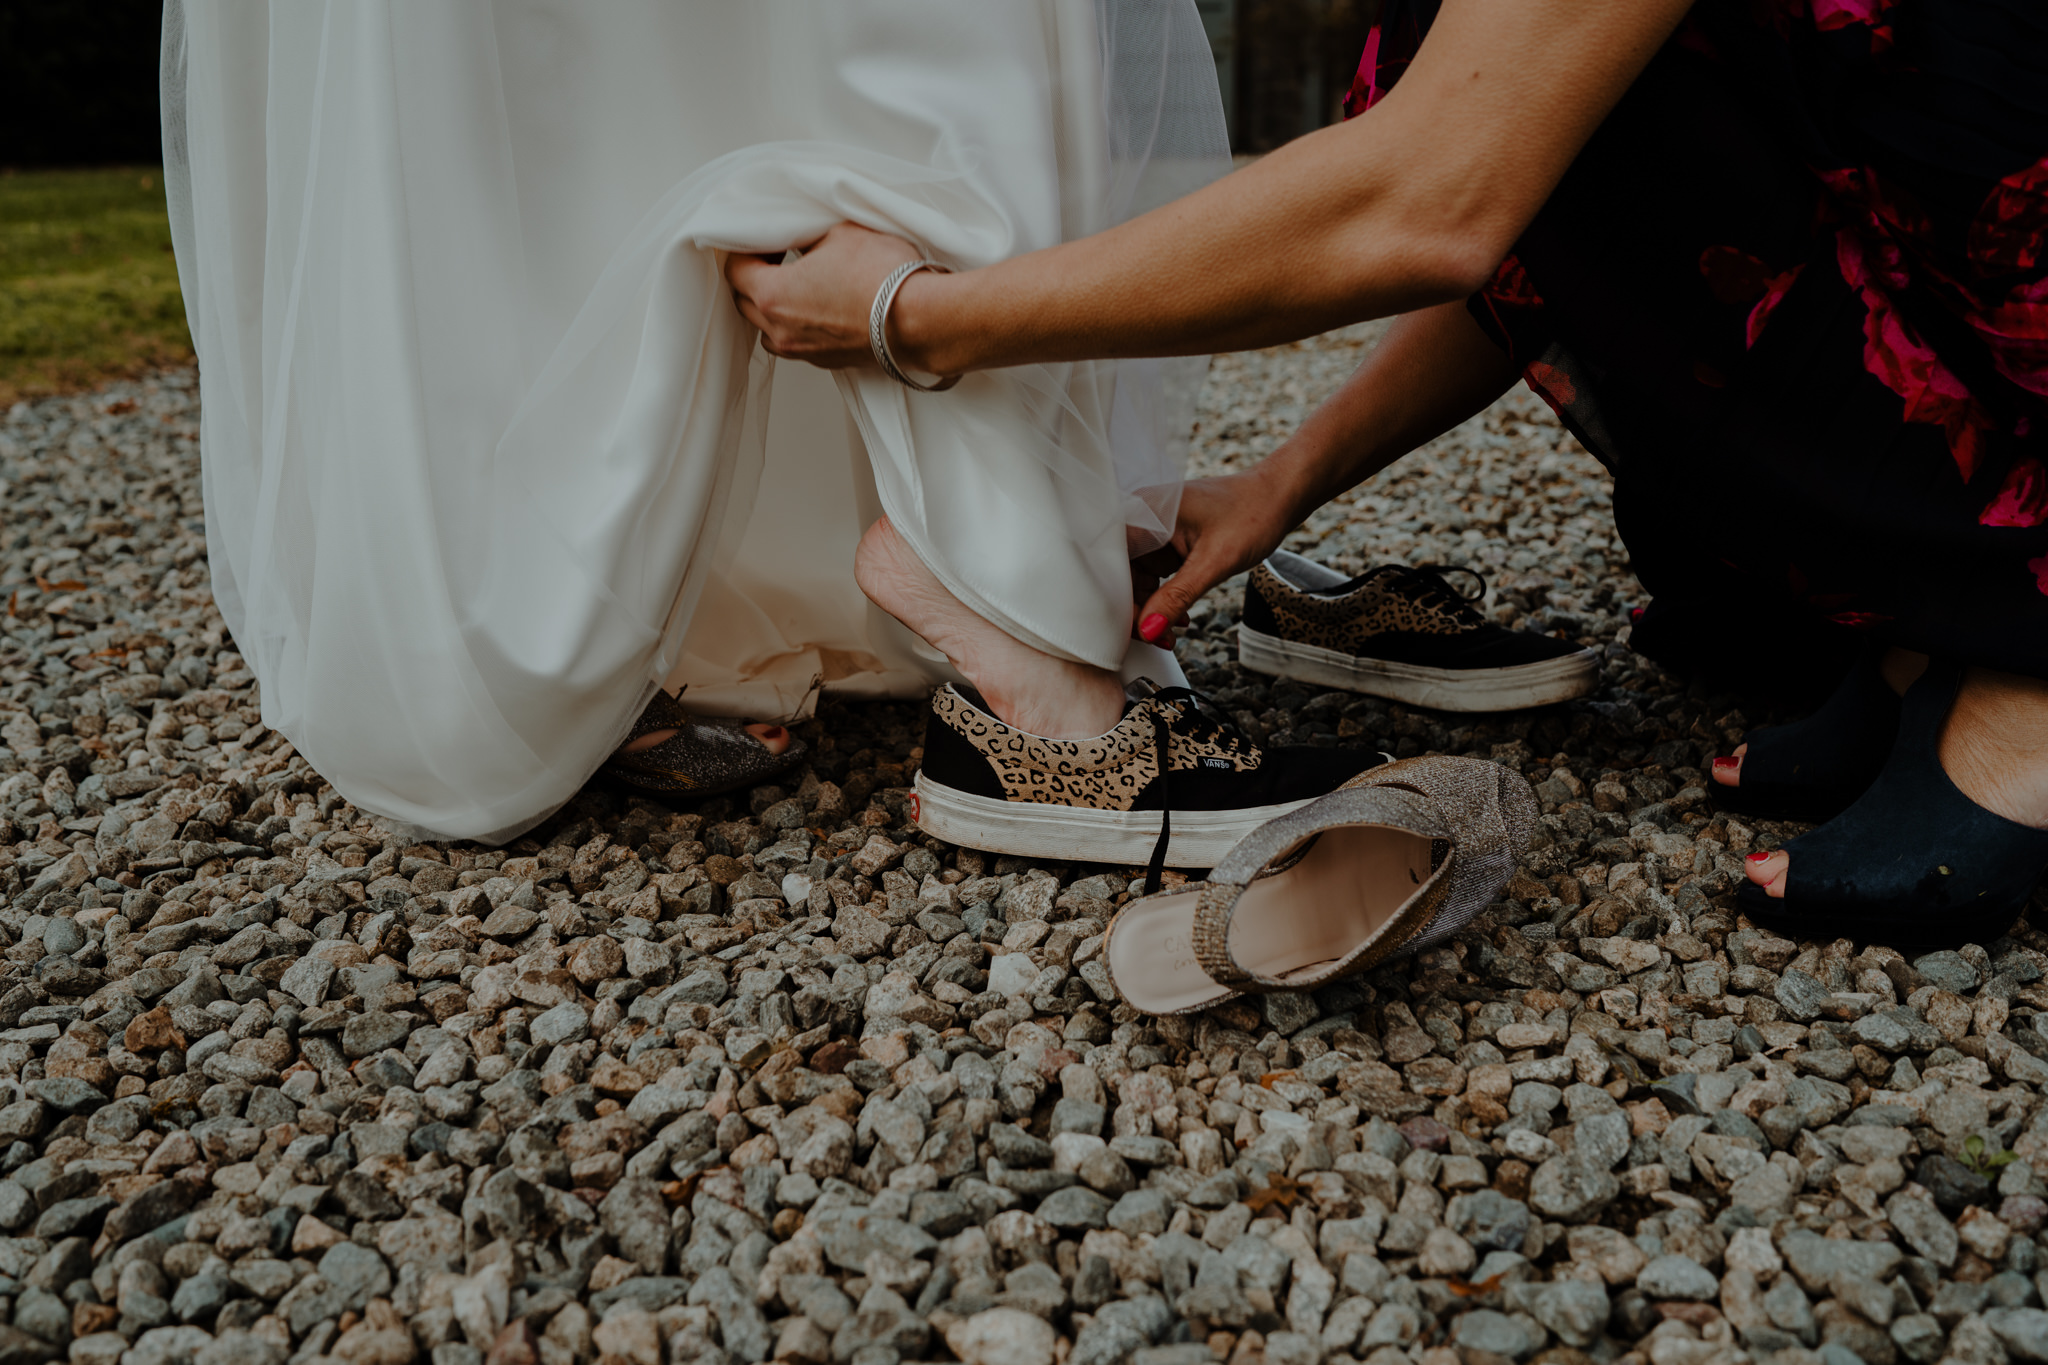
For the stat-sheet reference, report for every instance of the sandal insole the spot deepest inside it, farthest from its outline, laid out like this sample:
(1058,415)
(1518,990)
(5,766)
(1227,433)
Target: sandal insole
(1342,893)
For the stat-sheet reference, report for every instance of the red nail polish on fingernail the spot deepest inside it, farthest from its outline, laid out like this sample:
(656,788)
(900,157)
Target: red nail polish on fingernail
(1758,857)
(1152,627)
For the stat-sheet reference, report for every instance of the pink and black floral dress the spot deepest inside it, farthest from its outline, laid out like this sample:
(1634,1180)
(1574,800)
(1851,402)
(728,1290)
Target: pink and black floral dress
(1794,293)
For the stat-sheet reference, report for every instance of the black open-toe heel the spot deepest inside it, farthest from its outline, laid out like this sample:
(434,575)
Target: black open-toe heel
(1815,769)
(1913,861)
(706,756)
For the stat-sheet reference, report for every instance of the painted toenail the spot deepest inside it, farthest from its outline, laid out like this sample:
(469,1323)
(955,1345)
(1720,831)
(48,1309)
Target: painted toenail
(1758,857)
(1727,765)
(1152,627)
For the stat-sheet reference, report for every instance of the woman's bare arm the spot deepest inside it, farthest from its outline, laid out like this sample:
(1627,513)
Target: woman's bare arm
(1412,204)
(1434,369)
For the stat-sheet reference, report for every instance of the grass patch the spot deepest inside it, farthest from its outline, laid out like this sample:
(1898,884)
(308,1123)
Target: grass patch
(88,287)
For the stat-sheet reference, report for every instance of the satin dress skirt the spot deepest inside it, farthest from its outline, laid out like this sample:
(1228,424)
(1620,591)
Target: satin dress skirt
(489,455)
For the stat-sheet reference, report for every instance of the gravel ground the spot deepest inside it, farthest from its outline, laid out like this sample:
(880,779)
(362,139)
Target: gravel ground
(776,1078)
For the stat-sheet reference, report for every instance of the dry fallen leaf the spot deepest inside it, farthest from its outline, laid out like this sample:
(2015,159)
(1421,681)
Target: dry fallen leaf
(1280,1189)
(1466,1289)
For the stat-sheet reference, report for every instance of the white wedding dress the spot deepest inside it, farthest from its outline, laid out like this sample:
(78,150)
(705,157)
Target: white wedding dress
(489,454)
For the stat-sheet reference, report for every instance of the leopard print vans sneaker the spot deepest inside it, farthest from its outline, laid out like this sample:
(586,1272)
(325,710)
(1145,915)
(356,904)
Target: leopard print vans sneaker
(1403,633)
(1172,783)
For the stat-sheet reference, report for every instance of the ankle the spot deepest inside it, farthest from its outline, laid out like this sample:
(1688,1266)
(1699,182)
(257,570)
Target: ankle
(1089,702)
(1994,745)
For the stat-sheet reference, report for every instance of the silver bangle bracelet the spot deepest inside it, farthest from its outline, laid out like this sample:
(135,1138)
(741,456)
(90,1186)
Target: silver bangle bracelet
(878,326)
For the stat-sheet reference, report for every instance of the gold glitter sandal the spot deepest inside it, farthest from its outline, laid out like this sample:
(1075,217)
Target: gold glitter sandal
(706,756)
(1396,860)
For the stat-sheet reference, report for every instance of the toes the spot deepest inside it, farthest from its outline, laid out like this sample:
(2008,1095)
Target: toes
(774,738)
(647,741)
(1728,771)
(1768,871)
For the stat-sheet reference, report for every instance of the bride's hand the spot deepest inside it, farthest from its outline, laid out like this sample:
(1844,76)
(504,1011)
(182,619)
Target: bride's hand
(1225,525)
(816,308)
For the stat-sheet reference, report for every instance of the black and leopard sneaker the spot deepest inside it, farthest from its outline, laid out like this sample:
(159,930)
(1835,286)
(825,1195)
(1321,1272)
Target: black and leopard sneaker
(990,786)
(1403,633)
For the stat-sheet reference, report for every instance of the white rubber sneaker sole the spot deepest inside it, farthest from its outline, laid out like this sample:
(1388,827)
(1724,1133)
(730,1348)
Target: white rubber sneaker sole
(1028,829)
(1443,689)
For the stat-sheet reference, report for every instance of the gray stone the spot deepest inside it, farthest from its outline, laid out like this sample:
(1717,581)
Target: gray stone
(883,1319)
(1575,1309)
(1140,1212)
(265,1279)
(1489,1220)
(1816,1259)
(849,1235)
(1949,970)
(2024,1331)
(200,1297)
(17,1206)
(42,1314)
(1078,1116)
(66,1094)
(1259,1264)
(942,1213)
(371,1032)
(513,1207)
(1897,1029)
(637,1218)
(1570,1191)
(22,1120)
(650,1293)
(1292,1348)
(1601,1139)
(1075,1208)
(1483,1329)
(1120,1328)
(1142,1149)
(356,1272)
(740,1323)
(1919,1338)
(1801,995)
(1015,1147)
(1924,1227)
(307,980)
(73,1217)
(1677,1277)
(238,1347)
(568,1022)
(1789,1311)
(365,1197)
(151,1208)
(167,1346)
(1003,1336)
(430,1239)
(1107,1173)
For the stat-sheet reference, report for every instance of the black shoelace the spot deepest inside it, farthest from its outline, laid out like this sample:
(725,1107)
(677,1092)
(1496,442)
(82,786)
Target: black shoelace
(1215,724)
(1430,587)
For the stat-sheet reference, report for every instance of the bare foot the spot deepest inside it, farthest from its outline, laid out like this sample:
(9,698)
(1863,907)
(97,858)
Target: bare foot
(1994,747)
(774,738)
(1024,687)
(1901,669)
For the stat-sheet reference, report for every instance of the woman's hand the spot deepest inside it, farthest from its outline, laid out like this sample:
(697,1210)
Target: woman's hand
(1226,524)
(816,308)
